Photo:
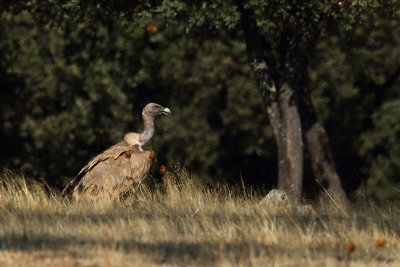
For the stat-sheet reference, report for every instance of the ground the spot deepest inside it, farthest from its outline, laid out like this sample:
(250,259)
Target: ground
(184,223)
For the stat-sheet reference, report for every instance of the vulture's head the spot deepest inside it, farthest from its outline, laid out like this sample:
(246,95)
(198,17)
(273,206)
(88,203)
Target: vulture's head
(153,110)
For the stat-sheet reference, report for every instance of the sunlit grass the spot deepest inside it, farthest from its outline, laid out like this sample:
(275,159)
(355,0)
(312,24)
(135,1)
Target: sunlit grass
(184,222)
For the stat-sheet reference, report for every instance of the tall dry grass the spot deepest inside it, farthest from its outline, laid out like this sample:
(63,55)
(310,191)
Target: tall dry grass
(186,223)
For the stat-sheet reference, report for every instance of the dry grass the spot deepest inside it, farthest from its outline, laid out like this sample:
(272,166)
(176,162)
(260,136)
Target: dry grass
(188,224)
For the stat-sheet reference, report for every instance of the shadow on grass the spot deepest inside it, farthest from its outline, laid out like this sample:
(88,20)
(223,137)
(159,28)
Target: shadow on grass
(160,252)
(182,252)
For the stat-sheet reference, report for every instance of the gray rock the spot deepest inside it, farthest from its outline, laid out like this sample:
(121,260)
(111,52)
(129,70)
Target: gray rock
(275,197)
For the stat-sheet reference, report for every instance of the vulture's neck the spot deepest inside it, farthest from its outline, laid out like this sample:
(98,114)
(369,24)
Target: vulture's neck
(148,131)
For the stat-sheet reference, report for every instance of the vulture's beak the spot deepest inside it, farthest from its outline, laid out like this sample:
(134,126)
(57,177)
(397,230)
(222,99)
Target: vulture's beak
(166,111)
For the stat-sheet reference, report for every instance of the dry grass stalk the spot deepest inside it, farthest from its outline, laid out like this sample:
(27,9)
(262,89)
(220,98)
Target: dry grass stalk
(185,222)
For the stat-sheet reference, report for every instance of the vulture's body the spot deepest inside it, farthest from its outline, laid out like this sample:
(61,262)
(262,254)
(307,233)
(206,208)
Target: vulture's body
(119,168)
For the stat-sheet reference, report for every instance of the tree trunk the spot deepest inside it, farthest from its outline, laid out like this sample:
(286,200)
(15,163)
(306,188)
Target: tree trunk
(317,143)
(290,112)
(292,77)
(291,168)
(281,105)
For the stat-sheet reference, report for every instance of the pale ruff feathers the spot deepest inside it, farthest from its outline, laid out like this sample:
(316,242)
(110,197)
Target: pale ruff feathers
(133,139)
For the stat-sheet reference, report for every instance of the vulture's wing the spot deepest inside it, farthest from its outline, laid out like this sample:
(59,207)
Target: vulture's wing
(111,153)
(114,175)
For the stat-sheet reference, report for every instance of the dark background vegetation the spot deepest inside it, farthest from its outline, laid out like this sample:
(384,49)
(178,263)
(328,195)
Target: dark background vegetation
(75,76)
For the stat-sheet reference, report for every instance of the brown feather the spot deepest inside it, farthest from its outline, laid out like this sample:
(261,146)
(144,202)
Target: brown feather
(114,176)
(110,172)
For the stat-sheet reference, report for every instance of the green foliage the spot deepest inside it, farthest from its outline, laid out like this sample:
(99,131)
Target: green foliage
(354,75)
(381,148)
(214,103)
(63,93)
(74,76)
(80,83)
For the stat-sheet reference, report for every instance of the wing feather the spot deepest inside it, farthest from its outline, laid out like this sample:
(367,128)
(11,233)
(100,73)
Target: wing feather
(113,153)
(113,175)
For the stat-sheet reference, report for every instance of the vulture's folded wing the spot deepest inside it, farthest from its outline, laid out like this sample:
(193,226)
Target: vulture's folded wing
(113,152)
(114,175)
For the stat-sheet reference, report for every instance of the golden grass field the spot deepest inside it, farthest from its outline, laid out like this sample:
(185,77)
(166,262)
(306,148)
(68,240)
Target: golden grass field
(186,223)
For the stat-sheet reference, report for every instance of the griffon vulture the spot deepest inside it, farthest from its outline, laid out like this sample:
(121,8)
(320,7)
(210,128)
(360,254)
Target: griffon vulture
(120,167)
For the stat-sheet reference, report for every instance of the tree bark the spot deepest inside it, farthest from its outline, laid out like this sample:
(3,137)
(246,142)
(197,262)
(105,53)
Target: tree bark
(317,143)
(291,177)
(281,105)
(290,111)
(293,78)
